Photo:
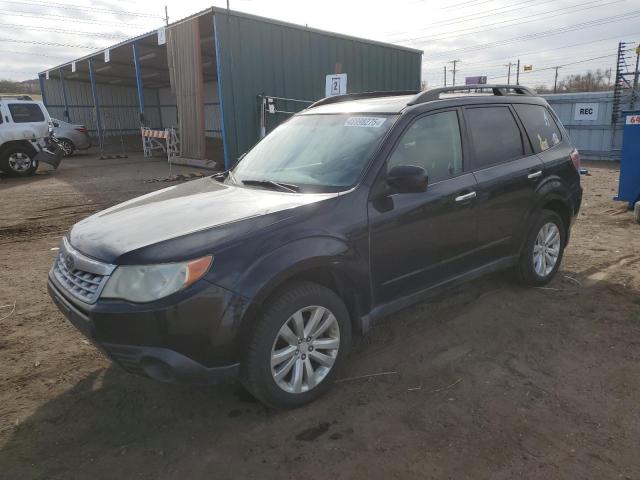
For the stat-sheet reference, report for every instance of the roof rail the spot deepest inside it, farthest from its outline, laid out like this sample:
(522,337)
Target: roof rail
(498,90)
(359,96)
(15,97)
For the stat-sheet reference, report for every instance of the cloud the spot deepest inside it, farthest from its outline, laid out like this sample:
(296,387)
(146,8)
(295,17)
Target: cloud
(474,33)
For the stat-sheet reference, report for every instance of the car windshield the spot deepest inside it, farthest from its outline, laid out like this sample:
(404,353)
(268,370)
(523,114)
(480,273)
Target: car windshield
(313,153)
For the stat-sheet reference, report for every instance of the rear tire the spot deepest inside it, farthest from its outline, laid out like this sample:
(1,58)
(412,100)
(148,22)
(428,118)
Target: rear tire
(298,344)
(18,161)
(542,253)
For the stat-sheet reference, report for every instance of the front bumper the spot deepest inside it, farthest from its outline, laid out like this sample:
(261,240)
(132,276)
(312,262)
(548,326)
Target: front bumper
(189,337)
(52,155)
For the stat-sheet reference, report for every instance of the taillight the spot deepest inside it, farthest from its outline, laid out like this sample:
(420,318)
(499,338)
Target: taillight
(82,130)
(575,158)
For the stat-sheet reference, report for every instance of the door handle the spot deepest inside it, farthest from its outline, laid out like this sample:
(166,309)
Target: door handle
(534,175)
(466,196)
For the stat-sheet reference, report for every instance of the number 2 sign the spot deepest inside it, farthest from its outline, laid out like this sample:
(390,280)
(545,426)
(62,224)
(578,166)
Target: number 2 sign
(336,84)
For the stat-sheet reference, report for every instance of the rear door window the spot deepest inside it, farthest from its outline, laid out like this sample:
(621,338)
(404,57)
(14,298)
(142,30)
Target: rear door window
(495,134)
(26,112)
(432,142)
(540,126)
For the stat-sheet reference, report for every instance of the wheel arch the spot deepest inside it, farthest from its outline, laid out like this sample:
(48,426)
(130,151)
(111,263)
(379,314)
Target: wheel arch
(564,212)
(337,271)
(17,143)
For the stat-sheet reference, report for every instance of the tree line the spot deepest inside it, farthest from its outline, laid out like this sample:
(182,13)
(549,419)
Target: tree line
(26,87)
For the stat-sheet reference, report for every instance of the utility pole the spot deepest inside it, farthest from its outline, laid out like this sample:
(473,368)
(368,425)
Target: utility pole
(166,16)
(518,74)
(455,62)
(445,75)
(508,65)
(555,81)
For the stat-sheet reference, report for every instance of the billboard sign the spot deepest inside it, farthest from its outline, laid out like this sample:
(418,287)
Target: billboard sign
(482,80)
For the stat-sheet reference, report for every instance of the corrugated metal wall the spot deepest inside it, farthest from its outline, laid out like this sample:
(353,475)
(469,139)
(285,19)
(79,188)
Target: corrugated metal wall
(118,105)
(257,56)
(185,66)
(593,138)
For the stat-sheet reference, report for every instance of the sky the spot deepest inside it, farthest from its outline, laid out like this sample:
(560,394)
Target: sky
(483,35)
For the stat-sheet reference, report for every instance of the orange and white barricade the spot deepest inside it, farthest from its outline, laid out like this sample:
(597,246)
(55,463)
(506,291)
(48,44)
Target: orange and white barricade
(151,140)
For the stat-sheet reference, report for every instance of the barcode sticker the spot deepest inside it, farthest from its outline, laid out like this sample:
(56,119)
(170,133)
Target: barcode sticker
(367,122)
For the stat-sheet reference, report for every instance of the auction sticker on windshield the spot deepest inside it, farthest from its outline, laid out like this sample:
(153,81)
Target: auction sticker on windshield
(368,122)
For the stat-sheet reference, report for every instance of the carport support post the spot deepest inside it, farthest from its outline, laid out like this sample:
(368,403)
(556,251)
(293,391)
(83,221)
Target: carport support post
(96,105)
(136,63)
(64,96)
(44,97)
(159,108)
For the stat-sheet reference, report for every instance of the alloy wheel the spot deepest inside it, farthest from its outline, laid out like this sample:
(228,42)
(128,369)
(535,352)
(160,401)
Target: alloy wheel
(305,349)
(546,249)
(66,147)
(19,162)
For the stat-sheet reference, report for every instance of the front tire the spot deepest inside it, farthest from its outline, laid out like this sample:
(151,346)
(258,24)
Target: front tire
(297,346)
(542,252)
(18,161)
(67,146)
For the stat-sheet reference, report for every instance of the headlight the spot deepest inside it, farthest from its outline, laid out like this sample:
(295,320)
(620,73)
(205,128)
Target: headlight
(145,283)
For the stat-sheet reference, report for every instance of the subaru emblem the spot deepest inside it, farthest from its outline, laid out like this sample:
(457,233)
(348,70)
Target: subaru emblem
(69,263)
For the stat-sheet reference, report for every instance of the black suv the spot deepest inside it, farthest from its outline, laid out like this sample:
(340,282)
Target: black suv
(354,208)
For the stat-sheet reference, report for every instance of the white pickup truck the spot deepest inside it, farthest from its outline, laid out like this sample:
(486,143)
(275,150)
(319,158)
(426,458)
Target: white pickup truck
(25,136)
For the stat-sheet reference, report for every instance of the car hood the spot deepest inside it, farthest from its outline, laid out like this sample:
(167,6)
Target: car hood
(178,211)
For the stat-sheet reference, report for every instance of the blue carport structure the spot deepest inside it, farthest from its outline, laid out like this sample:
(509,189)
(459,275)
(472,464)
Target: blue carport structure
(207,75)
(116,90)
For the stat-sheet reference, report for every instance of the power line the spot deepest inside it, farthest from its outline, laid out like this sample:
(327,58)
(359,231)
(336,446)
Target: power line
(486,13)
(75,20)
(564,47)
(563,65)
(31,54)
(68,32)
(556,59)
(51,44)
(545,33)
(573,9)
(91,9)
(466,4)
(556,62)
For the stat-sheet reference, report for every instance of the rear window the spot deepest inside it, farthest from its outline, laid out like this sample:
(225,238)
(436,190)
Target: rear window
(495,134)
(26,112)
(540,126)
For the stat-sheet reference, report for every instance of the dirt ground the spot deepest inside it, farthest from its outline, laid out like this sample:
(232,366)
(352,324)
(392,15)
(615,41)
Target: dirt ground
(490,380)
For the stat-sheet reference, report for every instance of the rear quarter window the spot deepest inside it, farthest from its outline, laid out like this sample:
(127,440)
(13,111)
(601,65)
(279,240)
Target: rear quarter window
(495,134)
(540,126)
(26,112)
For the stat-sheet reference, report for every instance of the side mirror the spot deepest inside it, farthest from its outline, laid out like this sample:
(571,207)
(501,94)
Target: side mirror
(407,179)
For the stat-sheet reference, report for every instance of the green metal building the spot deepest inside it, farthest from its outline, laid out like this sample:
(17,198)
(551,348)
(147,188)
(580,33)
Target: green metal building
(222,78)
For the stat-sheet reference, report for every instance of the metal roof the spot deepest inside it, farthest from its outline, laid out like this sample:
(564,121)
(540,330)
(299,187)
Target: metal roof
(147,40)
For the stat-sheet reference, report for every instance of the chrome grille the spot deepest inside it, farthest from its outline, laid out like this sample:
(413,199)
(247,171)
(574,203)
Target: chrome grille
(81,276)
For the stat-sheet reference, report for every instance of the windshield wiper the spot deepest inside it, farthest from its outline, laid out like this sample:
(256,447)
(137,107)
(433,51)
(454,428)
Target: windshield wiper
(284,187)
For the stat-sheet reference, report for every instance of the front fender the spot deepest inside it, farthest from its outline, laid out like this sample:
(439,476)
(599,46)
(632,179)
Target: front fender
(274,268)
